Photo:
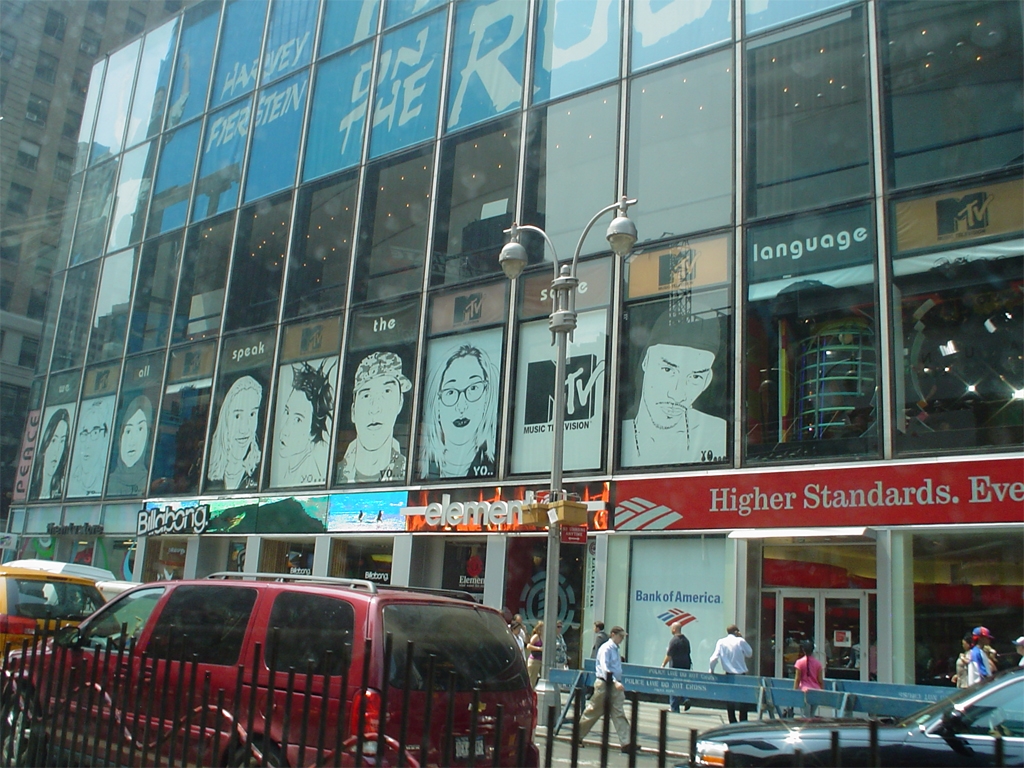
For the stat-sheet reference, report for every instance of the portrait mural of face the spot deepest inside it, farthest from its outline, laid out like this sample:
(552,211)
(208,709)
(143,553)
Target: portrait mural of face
(676,368)
(378,397)
(52,453)
(130,472)
(235,447)
(460,410)
(303,421)
(92,441)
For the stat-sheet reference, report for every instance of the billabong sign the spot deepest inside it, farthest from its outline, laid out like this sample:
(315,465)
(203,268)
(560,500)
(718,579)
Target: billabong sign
(184,520)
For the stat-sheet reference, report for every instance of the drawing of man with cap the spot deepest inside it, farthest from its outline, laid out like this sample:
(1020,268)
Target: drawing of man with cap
(377,398)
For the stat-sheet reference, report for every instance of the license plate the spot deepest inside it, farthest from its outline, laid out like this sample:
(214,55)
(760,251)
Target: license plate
(462,747)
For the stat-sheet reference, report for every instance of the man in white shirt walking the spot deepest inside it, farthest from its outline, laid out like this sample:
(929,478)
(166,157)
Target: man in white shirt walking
(608,661)
(733,651)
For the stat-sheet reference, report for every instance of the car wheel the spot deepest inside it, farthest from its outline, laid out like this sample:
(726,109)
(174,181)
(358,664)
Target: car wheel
(19,745)
(258,755)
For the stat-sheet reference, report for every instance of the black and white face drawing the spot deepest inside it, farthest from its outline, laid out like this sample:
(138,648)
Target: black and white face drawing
(130,472)
(676,368)
(92,441)
(460,408)
(51,461)
(303,422)
(235,447)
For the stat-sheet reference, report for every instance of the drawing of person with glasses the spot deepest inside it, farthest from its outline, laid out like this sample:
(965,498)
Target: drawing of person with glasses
(460,416)
(91,444)
(378,395)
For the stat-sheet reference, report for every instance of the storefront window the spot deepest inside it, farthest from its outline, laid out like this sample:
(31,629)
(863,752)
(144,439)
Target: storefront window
(570,171)
(684,113)
(184,414)
(376,395)
(133,435)
(476,198)
(393,231)
(953,81)
(963,580)
(93,432)
(154,293)
(261,246)
(321,248)
(675,392)
(174,176)
(110,316)
(75,316)
(286,556)
(464,564)
(368,559)
(165,559)
(808,133)
(203,273)
(460,401)
(812,365)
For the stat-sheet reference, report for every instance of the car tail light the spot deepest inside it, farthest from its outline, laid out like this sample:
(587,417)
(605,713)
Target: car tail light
(371,723)
(16,625)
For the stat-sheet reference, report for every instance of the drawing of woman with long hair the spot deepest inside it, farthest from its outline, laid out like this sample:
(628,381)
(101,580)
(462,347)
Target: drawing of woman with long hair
(52,462)
(235,448)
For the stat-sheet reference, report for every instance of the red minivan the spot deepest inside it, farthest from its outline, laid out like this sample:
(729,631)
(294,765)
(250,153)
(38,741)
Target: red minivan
(270,669)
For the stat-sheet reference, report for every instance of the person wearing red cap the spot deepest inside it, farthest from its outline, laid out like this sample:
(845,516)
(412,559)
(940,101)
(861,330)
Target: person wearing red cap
(983,663)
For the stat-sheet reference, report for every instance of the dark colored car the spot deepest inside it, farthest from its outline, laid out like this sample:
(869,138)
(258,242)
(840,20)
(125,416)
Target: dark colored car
(239,669)
(960,730)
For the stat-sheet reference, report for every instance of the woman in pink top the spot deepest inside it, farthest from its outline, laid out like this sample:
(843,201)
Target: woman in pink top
(810,676)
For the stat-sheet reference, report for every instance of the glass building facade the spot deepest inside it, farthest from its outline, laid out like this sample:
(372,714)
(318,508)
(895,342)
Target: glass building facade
(279,311)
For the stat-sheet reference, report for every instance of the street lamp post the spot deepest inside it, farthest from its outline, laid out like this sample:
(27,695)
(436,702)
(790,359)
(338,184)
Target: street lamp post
(621,236)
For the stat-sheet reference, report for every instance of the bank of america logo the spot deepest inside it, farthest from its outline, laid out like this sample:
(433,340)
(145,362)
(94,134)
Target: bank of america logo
(676,616)
(637,514)
(582,372)
(962,215)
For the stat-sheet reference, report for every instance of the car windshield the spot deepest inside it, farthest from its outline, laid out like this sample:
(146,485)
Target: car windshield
(473,644)
(46,599)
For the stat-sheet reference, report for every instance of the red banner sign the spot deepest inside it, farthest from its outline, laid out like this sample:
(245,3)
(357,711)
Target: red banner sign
(983,491)
(573,534)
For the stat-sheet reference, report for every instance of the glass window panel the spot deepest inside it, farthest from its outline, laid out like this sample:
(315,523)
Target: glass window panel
(92,443)
(151,87)
(685,113)
(220,164)
(393,231)
(113,110)
(94,212)
(570,171)
(236,443)
(812,350)
(675,382)
(577,46)
(239,54)
(50,468)
(476,200)
(131,196)
(808,129)
(174,179)
(154,293)
(290,38)
(75,316)
(195,58)
(662,31)
(322,247)
(260,251)
(487,60)
(92,101)
(762,14)
(128,473)
(203,273)
(397,11)
(67,222)
(347,22)
(335,139)
(275,141)
(53,306)
(184,413)
(953,85)
(110,317)
(376,401)
(408,86)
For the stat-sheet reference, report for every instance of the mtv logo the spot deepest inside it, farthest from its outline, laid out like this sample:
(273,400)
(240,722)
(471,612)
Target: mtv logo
(103,380)
(580,397)
(962,215)
(312,338)
(193,362)
(468,308)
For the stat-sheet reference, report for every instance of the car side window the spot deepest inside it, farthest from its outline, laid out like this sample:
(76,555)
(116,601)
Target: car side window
(203,623)
(310,628)
(999,713)
(129,613)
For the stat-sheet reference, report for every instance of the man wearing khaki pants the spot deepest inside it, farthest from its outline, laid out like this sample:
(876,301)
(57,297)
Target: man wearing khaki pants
(608,662)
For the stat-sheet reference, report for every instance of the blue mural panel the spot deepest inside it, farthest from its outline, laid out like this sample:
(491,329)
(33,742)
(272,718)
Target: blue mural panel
(195,58)
(577,46)
(239,55)
(487,60)
(290,38)
(275,139)
(347,22)
(397,11)
(339,113)
(762,14)
(220,169)
(174,179)
(408,86)
(380,511)
(663,30)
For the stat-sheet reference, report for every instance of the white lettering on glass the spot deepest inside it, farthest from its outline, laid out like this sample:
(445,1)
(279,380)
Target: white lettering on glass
(655,25)
(501,85)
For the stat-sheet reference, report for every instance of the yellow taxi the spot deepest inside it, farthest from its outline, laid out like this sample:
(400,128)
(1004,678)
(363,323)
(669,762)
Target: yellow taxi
(31,599)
